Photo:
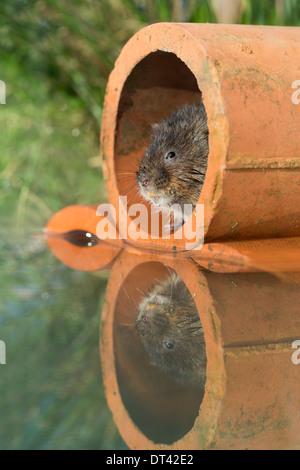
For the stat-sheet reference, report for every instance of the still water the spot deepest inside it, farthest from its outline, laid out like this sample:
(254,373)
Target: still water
(188,357)
(51,386)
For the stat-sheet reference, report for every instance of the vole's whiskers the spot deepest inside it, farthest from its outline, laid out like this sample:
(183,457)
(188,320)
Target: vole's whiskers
(134,165)
(141,292)
(126,173)
(135,193)
(123,324)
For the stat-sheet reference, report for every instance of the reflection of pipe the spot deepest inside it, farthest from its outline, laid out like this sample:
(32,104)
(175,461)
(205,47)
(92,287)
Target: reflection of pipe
(251,397)
(270,255)
(244,75)
(63,237)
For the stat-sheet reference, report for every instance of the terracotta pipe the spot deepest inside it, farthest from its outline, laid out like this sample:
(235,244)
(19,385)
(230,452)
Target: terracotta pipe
(251,397)
(244,75)
(271,255)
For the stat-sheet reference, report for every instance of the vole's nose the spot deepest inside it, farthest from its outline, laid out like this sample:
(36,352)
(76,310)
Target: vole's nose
(145,183)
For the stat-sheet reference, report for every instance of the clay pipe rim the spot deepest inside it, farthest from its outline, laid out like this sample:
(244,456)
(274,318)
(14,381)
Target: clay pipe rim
(181,42)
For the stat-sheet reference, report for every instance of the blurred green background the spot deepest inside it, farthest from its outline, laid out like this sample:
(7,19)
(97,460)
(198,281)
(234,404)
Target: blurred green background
(55,58)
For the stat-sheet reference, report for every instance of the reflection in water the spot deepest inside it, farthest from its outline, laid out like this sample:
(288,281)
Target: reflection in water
(248,395)
(163,405)
(170,330)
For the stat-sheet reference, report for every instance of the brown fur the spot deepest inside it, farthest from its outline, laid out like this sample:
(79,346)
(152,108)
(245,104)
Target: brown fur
(178,180)
(168,314)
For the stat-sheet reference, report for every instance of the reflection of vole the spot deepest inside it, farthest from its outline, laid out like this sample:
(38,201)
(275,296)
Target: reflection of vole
(173,168)
(170,330)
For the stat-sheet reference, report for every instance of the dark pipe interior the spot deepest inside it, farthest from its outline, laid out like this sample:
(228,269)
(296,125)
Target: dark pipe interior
(156,87)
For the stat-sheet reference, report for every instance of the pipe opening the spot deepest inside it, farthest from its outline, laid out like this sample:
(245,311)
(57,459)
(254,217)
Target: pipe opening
(160,353)
(156,87)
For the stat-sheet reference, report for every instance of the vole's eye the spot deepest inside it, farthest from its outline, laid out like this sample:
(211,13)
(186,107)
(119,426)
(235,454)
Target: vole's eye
(169,345)
(170,155)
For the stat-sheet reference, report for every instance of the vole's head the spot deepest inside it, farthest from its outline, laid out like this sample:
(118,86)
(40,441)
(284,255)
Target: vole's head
(170,330)
(173,167)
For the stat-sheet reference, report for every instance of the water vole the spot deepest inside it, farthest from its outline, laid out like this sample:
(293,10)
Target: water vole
(173,168)
(170,330)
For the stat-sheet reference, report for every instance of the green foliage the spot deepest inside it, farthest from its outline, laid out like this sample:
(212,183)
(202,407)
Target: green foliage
(47,140)
(73,44)
(271,12)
